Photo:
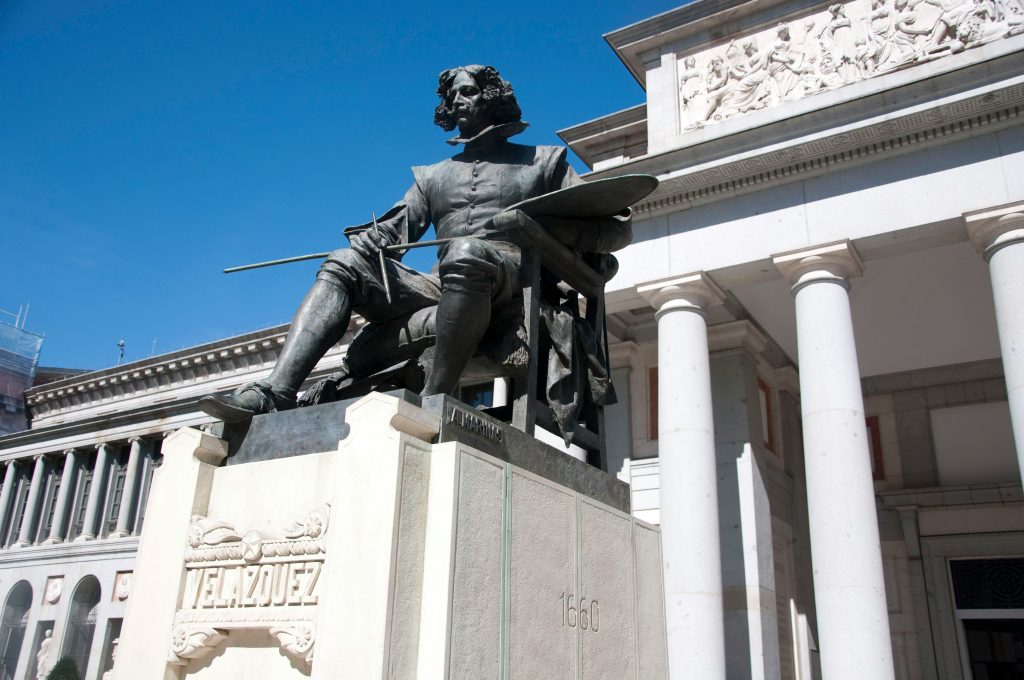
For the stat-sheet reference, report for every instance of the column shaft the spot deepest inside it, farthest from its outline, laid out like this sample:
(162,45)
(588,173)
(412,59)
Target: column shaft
(998,233)
(689,482)
(849,585)
(1006,267)
(124,515)
(60,511)
(10,479)
(95,502)
(35,495)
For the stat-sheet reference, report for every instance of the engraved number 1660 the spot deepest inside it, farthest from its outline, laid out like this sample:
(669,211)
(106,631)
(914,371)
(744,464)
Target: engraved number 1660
(586,616)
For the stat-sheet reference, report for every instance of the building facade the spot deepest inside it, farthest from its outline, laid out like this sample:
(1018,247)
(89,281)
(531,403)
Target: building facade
(820,326)
(817,339)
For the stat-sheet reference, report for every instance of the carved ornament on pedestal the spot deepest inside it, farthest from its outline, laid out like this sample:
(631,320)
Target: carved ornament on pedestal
(237,580)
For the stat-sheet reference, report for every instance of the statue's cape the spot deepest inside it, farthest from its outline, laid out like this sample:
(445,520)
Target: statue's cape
(599,198)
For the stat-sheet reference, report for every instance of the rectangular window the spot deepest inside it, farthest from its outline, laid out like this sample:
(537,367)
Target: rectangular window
(49,507)
(652,403)
(479,395)
(115,489)
(875,446)
(81,501)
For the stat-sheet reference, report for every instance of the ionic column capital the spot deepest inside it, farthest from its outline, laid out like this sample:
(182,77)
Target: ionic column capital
(691,292)
(830,263)
(995,228)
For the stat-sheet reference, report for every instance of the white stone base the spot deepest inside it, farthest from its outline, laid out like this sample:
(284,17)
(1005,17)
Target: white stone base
(389,558)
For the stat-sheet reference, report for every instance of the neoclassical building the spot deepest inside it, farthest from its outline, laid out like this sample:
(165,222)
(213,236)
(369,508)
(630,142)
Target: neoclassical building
(821,326)
(817,343)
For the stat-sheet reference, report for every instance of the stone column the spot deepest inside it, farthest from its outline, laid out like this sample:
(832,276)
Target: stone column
(689,484)
(998,233)
(35,495)
(500,394)
(95,502)
(60,512)
(131,483)
(849,586)
(10,479)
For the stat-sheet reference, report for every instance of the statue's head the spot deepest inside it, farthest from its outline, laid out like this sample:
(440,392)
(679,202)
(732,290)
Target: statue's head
(473,98)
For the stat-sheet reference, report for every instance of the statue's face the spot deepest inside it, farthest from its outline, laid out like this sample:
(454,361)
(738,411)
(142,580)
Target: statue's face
(466,100)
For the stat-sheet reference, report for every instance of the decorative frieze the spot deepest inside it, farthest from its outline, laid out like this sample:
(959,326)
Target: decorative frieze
(843,44)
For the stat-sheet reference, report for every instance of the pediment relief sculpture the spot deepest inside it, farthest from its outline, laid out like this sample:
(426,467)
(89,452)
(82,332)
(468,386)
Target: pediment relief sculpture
(844,44)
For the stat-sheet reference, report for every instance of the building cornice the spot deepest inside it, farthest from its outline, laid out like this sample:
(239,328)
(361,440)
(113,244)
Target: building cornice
(99,549)
(743,163)
(165,379)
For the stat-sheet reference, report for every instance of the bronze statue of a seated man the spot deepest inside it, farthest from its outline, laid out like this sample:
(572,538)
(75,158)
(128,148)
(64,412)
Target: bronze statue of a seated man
(478,268)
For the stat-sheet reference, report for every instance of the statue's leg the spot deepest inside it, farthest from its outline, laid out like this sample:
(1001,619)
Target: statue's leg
(471,277)
(319,323)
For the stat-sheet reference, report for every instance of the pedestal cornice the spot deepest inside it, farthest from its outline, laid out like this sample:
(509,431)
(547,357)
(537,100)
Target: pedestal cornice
(831,263)
(992,229)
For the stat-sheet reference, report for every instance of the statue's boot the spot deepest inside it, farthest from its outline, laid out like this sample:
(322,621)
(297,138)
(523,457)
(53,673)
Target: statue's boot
(462,319)
(319,323)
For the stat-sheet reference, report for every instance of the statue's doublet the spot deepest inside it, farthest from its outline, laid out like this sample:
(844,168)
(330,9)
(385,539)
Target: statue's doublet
(459,195)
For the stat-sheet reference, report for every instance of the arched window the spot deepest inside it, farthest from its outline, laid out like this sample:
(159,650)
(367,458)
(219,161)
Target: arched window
(12,629)
(82,622)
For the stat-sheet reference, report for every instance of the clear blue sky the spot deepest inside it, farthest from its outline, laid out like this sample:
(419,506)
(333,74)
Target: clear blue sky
(146,145)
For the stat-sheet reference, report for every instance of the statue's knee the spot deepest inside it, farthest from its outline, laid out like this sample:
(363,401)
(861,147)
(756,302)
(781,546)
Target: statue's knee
(339,266)
(465,264)
(462,251)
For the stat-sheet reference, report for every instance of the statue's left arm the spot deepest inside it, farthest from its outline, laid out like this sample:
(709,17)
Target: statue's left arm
(592,234)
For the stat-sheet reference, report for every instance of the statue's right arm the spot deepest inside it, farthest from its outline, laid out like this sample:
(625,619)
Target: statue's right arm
(405,222)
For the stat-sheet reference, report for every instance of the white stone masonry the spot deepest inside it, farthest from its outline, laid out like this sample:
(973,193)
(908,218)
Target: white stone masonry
(689,481)
(849,586)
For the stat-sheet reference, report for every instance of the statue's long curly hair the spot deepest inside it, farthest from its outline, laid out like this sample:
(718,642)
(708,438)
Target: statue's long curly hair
(498,96)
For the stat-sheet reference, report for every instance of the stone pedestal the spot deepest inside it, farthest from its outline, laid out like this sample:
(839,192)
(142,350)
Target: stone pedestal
(394,556)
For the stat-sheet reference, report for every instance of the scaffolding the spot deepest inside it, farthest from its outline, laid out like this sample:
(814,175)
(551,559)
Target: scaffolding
(19,356)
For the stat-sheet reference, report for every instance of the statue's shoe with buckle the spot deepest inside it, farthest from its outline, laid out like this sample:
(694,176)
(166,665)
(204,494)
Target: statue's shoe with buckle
(251,399)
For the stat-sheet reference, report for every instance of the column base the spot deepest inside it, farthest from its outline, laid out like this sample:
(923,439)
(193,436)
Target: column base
(52,541)
(119,534)
(20,544)
(84,537)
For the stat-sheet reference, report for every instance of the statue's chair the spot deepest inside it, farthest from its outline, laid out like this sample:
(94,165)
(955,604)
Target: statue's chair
(551,379)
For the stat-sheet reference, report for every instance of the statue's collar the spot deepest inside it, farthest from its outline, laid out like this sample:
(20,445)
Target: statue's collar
(490,135)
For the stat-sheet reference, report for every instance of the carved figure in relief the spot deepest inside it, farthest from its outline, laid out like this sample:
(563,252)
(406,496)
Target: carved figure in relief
(828,75)
(1011,12)
(844,42)
(750,90)
(690,85)
(785,65)
(717,79)
(42,656)
(945,29)
(880,30)
(907,35)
